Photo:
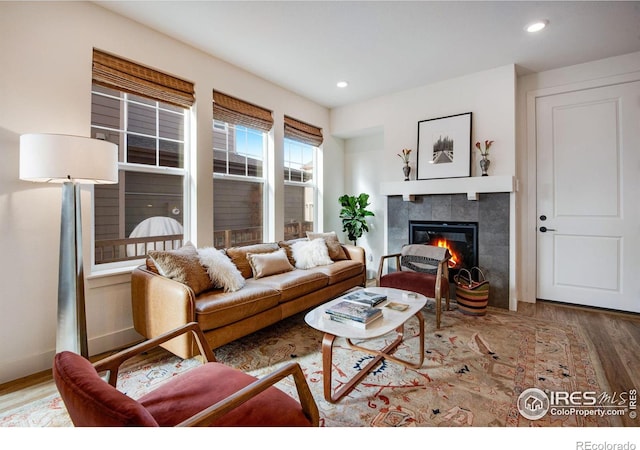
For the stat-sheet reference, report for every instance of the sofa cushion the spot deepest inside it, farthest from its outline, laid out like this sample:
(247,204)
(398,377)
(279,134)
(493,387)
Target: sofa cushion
(223,273)
(336,252)
(312,253)
(238,255)
(183,265)
(217,308)
(340,270)
(265,264)
(294,284)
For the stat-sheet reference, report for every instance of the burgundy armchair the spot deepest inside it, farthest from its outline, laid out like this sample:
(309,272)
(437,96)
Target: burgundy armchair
(419,268)
(212,394)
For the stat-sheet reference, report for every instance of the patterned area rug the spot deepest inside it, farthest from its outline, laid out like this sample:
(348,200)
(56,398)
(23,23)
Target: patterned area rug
(474,370)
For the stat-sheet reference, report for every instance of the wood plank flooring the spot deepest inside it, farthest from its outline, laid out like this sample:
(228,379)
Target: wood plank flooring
(614,342)
(614,339)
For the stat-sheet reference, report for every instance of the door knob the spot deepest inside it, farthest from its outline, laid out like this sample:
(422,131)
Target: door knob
(545,229)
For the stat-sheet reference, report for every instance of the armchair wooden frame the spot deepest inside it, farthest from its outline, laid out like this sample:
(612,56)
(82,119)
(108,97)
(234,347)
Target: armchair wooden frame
(111,365)
(442,271)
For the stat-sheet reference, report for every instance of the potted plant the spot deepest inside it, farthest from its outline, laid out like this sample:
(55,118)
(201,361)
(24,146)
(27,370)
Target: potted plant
(353,214)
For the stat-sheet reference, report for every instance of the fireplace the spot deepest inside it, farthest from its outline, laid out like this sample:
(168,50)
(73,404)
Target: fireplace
(460,238)
(491,214)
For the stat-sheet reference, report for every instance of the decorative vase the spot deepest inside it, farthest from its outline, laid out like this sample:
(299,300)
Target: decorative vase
(484,165)
(407,170)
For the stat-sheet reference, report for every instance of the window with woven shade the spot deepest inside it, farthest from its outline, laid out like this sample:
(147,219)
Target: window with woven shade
(240,138)
(301,141)
(144,111)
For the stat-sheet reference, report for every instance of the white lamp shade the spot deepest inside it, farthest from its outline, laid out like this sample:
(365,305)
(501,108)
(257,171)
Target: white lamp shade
(57,158)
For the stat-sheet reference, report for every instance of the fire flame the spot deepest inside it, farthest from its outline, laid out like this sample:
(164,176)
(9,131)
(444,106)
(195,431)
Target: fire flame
(455,257)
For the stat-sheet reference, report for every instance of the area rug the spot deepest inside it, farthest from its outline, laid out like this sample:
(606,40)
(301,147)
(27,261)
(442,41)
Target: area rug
(474,370)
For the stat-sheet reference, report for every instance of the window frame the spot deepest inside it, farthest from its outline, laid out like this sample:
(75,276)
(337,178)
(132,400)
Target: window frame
(263,180)
(312,183)
(125,166)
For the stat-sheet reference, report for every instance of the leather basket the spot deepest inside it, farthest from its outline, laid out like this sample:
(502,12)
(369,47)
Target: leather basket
(472,295)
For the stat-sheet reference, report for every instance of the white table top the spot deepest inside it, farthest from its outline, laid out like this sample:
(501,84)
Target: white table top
(390,320)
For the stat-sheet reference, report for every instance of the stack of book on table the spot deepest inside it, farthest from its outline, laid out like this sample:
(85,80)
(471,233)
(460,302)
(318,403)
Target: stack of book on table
(365,297)
(355,314)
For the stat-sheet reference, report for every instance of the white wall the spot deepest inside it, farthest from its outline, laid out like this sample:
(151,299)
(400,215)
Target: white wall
(362,158)
(45,84)
(375,131)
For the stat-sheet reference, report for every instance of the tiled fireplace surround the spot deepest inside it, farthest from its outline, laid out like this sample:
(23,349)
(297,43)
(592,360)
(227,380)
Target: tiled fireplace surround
(490,211)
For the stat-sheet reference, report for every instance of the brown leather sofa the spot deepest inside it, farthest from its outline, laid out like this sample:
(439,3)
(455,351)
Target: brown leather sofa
(161,304)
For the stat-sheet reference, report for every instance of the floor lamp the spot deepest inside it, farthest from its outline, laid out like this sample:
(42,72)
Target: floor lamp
(72,161)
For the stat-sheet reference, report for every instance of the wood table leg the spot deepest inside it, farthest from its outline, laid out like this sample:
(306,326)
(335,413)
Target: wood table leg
(385,353)
(327,364)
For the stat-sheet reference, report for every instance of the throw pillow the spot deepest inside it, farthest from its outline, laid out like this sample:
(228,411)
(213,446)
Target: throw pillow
(336,252)
(265,264)
(221,270)
(238,255)
(183,265)
(310,254)
(286,245)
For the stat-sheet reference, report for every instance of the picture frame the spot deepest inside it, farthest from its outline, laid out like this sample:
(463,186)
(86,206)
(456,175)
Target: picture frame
(444,147)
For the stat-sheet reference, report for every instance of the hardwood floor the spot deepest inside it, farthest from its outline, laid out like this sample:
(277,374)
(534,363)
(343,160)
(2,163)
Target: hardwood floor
(614,339)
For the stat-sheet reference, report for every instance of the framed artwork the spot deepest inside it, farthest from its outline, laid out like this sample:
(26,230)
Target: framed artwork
(444,147)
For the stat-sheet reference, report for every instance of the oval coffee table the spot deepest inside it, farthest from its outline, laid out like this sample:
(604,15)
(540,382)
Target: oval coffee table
(392,320)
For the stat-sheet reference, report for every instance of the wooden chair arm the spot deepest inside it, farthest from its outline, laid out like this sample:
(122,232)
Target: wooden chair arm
(213,412)
(382,260)
(442,272)
(112,363)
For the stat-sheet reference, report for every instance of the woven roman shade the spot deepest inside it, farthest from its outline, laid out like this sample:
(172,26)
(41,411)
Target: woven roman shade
(238,112)
(126,76)
(302,132)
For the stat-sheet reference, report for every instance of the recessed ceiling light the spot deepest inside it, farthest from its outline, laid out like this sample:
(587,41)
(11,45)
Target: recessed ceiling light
(534,27)
(342,84)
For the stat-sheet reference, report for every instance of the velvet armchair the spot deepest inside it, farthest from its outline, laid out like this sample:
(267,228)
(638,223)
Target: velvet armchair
(419,268)
(211,394)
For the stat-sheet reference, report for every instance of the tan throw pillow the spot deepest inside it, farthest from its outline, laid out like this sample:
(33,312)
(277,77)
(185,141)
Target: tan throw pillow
(265,264)
(183,265)
(310,254)
(336,252)
(238,255)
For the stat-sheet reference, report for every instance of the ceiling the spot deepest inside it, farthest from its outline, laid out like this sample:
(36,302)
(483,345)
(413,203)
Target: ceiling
(382,47)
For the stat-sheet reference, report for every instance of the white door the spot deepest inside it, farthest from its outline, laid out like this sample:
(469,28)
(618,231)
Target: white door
(588,197)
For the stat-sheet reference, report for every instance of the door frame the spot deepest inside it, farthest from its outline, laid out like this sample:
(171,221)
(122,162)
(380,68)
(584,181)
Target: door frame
(529,270)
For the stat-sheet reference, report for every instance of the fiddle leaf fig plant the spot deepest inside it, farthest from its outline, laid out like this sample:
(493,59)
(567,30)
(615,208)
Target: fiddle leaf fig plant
(353,214)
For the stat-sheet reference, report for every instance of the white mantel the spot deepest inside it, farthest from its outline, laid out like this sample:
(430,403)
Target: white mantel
(472,186)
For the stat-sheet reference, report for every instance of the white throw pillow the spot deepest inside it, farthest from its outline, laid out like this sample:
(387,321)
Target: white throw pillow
(308,254)
(221,270)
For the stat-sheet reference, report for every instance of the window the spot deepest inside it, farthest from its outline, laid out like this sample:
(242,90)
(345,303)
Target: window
(146,209)
(300,190)
(240,139)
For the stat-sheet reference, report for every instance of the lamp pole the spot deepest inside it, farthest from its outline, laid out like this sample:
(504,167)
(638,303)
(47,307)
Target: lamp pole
(72,320)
